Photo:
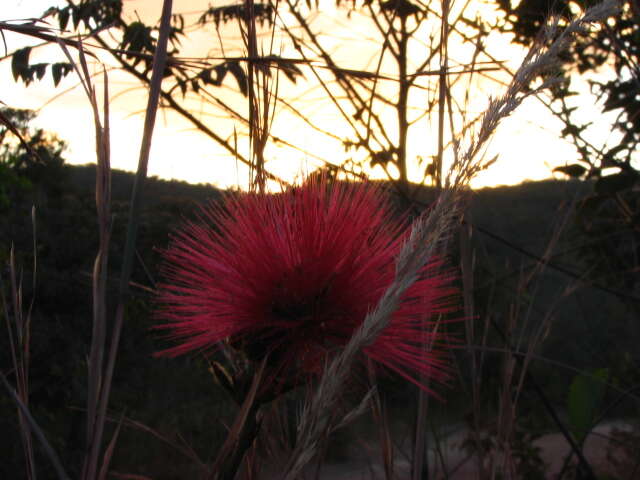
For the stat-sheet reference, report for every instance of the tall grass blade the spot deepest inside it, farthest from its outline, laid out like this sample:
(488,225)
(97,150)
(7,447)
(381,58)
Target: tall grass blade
(100,268)
(37,431)
(159,63)
(108,454)
(20,345)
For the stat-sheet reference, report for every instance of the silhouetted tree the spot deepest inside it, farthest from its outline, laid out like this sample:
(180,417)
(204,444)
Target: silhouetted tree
(132,44)
(28,156)
(378,107)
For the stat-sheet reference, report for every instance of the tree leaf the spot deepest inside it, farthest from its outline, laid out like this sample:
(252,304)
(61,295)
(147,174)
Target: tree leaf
(263,13)
(289,68)
(63,18)
(20,65)
(575,170)
(401,8)
(59,71)
(241,77)
(585,395)
(39,69)
(137,38)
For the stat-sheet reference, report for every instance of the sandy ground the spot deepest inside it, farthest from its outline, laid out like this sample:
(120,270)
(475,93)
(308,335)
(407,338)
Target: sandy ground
(553,447)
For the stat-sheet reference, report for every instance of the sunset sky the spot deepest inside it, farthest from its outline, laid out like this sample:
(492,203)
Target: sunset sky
(527,144)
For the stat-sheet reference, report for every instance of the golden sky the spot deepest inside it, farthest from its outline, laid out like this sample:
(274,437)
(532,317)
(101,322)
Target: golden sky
(527,143)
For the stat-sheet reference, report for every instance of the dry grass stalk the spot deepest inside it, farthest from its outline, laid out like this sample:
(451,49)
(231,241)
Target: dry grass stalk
(427,236)
(262,96)
(429,232)
(37,431)
(95,380)
(100,375)
(159,63)
(242,433)
(19,345)
(420,447)
(380,415)
(100,267)
(476,358)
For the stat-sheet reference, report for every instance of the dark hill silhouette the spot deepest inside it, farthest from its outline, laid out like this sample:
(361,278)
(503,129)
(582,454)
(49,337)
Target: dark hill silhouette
(82,178)
(524,213)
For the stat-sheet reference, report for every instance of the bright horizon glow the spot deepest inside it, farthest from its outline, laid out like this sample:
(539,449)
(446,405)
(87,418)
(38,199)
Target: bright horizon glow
(527,144)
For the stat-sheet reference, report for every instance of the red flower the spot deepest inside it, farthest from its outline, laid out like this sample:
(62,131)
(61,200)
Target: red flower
(294,274)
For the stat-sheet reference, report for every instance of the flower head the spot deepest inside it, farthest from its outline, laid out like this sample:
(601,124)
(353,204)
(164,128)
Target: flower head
(294,275)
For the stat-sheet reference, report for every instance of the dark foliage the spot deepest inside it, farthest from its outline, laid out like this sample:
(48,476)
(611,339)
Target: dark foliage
(66,244)
(29,158)
(615,44)
(609,219)
(137,45)
(178,397)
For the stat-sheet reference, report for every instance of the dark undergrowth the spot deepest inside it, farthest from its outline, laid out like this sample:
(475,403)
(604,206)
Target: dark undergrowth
(179,399)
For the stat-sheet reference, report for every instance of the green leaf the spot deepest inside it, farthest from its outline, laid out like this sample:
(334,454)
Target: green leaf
(20,65)
(585,397)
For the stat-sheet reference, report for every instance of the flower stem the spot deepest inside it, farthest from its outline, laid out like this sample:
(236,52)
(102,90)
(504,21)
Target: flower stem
(243,432)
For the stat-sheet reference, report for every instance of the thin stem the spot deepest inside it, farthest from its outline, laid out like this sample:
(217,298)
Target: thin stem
(159,63)
(403,98)
(37,431)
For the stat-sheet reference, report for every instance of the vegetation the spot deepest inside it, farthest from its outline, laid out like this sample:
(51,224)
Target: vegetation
(544,342)
(609,59)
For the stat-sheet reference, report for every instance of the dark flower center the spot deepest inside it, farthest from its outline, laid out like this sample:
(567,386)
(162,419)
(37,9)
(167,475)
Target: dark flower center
(300,322)
(302,310)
